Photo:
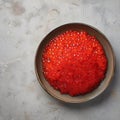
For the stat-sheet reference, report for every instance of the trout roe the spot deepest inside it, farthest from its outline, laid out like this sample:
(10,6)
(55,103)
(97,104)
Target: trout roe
(74,62)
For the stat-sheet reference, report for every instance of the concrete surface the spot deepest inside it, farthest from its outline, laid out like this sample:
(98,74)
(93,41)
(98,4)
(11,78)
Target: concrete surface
(23,23)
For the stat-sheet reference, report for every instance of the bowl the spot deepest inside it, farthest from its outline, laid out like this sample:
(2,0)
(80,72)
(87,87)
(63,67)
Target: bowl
(107,48)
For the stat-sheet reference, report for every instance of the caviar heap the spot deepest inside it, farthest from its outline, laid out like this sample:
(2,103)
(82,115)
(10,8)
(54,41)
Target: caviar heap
(74,62)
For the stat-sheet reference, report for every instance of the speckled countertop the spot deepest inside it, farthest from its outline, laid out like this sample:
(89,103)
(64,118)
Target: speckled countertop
(23,23)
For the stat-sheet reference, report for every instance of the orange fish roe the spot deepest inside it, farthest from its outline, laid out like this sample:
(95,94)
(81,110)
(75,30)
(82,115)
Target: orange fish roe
(74,62)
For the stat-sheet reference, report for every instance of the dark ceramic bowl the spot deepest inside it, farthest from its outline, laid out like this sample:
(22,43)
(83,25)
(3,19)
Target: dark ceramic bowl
(107,48)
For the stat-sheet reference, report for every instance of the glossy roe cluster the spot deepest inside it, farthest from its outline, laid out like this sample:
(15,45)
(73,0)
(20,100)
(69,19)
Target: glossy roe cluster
(74,62)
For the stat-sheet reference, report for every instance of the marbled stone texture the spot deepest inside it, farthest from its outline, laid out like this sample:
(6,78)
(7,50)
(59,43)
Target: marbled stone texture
(23,24)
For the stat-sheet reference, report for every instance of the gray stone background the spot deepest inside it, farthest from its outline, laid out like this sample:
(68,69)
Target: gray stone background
(23,24)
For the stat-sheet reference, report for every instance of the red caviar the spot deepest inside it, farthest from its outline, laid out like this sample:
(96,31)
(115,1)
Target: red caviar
(74,62)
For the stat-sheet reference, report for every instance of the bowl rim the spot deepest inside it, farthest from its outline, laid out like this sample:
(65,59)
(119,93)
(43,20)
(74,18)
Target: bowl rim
(87,99)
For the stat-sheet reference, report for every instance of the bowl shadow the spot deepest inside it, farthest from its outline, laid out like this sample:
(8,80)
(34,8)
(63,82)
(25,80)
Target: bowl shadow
(102,98)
